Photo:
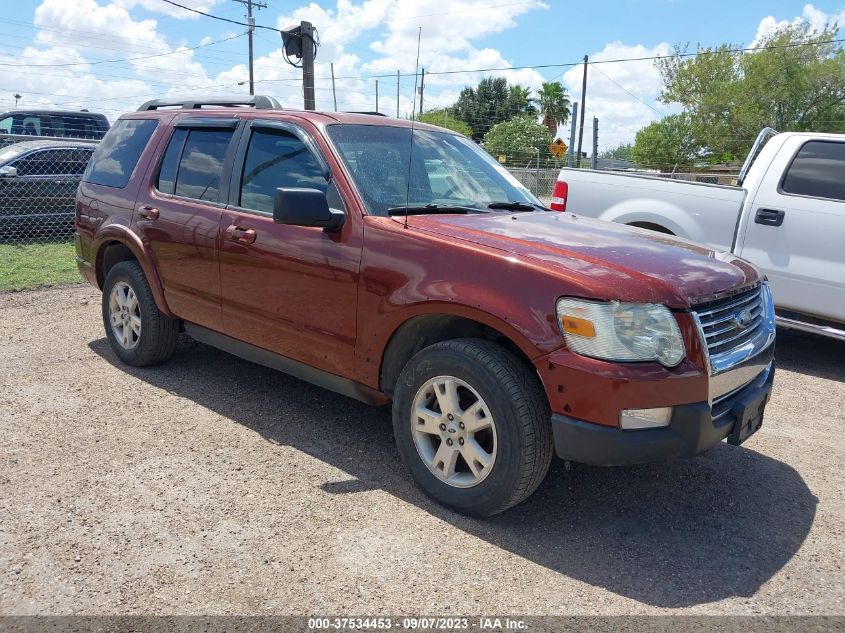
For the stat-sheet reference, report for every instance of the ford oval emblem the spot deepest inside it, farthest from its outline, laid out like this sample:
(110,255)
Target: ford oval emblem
(743,319)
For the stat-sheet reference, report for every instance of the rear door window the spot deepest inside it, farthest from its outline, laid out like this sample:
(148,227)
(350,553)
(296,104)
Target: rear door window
(53,162)
(818,171)
(118,153)
(200,167)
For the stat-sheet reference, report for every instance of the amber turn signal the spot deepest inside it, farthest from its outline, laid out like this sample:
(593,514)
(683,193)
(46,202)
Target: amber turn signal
(580,327)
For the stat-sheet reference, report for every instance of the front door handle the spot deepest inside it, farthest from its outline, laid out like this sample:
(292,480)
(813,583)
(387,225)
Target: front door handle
(239,234)
(148,212)
(769,217)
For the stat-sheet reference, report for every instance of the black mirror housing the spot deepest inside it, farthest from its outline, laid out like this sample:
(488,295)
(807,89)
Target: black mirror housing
(305,207)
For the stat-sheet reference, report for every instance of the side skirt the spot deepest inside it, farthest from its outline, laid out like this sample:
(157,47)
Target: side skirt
(287,365)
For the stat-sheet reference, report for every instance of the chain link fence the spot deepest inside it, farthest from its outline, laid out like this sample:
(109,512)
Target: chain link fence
(38,181)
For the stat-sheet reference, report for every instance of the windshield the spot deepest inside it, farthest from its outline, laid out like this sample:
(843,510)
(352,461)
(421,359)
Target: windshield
(446,169)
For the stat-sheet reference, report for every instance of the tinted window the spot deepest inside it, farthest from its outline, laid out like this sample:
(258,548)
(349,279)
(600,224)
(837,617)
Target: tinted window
(29,125)
(277,159)
(201,165)
(166,182)
(74,126)
(54,162)
(818,170)
(118,153)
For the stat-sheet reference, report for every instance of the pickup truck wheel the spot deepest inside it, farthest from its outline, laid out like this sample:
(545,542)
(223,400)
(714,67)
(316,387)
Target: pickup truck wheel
(138,333)
(472,426)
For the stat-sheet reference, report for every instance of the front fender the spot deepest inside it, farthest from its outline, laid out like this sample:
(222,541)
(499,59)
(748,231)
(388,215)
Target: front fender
(120,234)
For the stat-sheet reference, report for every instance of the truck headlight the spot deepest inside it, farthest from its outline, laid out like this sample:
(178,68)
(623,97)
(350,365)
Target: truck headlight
(621,331)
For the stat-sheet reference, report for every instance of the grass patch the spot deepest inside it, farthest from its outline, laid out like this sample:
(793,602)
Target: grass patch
(32,265)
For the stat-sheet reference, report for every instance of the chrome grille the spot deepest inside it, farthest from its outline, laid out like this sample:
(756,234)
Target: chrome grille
(729,323)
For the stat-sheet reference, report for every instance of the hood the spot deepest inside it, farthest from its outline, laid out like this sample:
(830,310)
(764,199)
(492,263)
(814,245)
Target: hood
(605,260)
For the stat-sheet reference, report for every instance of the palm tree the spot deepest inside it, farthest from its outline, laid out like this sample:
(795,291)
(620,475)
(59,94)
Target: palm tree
(554,105)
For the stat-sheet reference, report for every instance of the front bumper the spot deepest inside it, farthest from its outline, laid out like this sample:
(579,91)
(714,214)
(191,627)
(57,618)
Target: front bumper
(693,429)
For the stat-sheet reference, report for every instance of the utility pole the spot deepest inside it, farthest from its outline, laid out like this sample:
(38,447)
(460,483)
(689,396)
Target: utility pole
(583,112)
(308,64)
(571,152)
(334,94)
(594,160)
(376,95)
(422,89)
(397,94)
(251,22)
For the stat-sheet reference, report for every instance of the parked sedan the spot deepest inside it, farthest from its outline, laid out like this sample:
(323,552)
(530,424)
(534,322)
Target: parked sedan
(38,181)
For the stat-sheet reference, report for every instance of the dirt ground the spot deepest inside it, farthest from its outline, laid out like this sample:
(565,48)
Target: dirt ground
(213,486)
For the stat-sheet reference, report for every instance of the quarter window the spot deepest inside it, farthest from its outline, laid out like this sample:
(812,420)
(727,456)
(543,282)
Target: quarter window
(117,154)
(279,159)
(818,170)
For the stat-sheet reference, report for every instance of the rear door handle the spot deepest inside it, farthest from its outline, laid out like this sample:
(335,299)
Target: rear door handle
(150,213)
(769,217)
(239,234)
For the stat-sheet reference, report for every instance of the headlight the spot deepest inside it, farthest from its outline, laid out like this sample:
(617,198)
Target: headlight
(621,331)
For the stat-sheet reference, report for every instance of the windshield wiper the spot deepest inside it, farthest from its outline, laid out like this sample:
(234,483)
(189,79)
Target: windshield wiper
(516,206)
(432,209)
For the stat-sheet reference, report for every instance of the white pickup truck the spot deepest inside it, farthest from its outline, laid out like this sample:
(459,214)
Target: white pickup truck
(786,215)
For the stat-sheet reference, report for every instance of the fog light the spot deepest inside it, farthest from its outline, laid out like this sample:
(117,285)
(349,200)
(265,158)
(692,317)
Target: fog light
(632,419)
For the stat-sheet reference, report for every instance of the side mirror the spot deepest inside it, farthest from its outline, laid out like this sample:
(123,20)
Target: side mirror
(8,172)
(305,207)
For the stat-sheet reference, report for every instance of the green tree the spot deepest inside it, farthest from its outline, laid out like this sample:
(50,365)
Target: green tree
(797,83)
(489,103)
(554,105)
(667,144)
(620,152)
(519,101)
(519,138)
(444,118)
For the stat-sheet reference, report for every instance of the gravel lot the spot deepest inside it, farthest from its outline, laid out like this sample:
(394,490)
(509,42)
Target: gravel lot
(210,485)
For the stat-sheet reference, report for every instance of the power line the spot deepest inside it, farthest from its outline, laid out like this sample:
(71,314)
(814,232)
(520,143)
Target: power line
(609,61)
(610,79)
(119,61)
(217,17)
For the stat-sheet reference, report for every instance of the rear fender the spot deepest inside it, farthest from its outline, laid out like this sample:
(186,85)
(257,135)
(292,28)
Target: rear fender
(669,216)
(111,233)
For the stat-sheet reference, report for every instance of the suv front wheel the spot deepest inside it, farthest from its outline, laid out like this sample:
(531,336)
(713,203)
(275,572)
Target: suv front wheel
(472,426)
(139,334)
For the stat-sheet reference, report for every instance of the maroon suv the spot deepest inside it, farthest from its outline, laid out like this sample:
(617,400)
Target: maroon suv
(391,262)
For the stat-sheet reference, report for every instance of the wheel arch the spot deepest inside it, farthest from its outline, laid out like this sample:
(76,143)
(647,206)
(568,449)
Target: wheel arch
(422,330)
(651,226)
(117,243)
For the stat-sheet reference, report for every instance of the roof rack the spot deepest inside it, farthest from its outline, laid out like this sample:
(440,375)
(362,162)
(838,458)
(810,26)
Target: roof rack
(370,113)
(259,102)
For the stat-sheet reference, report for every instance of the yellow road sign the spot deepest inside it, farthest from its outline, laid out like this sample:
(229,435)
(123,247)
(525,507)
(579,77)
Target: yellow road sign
(558,148)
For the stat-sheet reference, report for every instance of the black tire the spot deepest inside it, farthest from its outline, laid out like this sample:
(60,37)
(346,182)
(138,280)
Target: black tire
(159,333)
(519,408)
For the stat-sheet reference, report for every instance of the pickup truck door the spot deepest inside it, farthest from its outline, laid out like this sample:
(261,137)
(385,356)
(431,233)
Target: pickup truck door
(288,289)
(793,228)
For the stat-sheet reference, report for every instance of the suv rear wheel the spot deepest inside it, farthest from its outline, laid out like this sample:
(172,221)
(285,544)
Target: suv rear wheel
(139,334)
(472,425)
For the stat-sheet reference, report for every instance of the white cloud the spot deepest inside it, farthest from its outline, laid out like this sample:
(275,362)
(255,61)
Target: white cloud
(815,17)
(622,95)
(158,6)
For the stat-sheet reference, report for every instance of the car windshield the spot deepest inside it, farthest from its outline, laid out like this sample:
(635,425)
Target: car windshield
(445,169)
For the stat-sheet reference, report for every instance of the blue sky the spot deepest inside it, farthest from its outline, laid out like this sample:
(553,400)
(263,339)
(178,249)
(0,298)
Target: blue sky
(52,51)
